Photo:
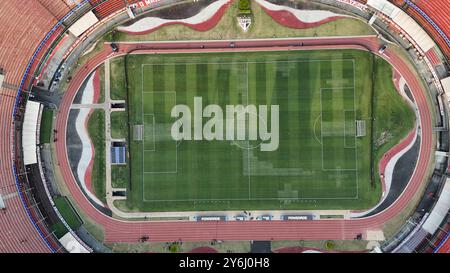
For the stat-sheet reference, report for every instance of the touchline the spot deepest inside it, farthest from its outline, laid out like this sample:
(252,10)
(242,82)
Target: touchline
(236,125)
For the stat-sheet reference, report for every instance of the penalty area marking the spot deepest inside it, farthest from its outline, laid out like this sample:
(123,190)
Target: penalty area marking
(143,114)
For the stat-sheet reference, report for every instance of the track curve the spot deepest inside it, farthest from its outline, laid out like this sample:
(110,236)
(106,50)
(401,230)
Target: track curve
(123,231)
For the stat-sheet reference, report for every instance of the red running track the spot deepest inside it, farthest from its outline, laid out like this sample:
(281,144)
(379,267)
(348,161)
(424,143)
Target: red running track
(336,229)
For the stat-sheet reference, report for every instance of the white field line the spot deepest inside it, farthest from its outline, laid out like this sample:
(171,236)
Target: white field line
(314,128)
(356,146)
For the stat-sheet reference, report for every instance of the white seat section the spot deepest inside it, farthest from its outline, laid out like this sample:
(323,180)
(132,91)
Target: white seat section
(29,132)
(403,20)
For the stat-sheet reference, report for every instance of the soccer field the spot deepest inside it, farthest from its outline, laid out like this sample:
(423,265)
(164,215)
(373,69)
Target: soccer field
(318,161)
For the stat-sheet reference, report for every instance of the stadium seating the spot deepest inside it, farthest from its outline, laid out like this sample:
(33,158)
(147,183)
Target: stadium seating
(437,241)
(17,232)
(435,11)
(37,17)
(105,8)
(432,56)
(58,8)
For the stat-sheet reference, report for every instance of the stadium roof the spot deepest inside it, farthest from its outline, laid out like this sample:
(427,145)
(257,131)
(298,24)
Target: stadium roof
(83,24)
(2,203)
(446,86)
(439,211)
(71,244)
(29,138)
(402,19)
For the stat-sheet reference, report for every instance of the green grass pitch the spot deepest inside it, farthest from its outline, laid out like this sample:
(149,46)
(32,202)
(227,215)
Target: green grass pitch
(319,164)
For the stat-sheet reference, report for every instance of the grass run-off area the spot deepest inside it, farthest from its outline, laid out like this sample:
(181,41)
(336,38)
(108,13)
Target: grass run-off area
(46,125)
(118,79)
(96,125)
(69,215)
(319,163)
(119,126)
(394,118)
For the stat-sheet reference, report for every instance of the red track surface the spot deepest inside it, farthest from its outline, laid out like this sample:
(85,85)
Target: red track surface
(122,231)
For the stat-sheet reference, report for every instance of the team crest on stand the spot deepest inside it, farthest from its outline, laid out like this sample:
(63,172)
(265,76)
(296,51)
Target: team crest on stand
(244,17)
(244,21)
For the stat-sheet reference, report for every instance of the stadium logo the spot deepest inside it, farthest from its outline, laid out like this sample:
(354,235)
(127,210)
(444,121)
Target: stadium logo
(242,122)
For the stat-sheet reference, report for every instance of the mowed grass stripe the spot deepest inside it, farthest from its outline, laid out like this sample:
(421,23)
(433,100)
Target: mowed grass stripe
(158,77)
(336,156)
(305,115)
(265,81)
(237,94)
(293,107)
(214,170)
(278,98)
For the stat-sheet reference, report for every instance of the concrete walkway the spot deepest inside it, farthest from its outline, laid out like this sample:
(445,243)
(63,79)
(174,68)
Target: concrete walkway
(108,140)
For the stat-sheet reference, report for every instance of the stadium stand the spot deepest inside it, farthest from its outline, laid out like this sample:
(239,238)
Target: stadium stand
(104,8)
(431,15)
(17,231)
(436,14)
(58,8)
(437,242)
(42,23)
(22,229)
(433,57)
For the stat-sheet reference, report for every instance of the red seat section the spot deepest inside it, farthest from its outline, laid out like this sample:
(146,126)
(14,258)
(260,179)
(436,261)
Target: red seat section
(432,56)
(105,8)
(18,43)
(58,8)
(437,10)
